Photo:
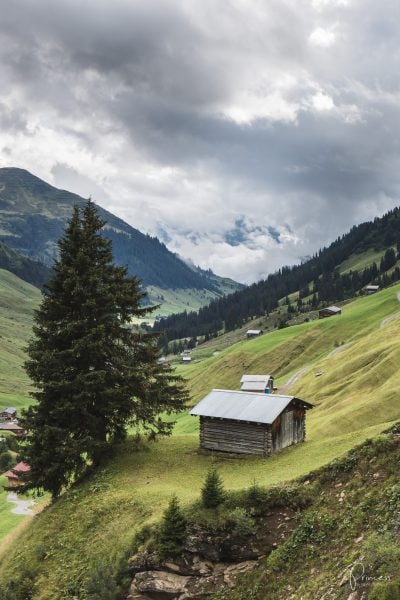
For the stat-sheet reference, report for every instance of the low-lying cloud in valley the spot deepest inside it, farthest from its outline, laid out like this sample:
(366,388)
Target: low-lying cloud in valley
(244,134)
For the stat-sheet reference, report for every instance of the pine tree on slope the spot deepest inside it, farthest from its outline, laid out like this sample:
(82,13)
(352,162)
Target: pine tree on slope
(172,531)
(212,492)
(93,373)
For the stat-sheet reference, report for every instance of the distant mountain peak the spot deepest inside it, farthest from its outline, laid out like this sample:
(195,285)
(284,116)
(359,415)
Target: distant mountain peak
(34,215)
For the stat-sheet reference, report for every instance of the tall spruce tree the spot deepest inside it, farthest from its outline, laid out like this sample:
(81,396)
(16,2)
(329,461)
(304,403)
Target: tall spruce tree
(93,373)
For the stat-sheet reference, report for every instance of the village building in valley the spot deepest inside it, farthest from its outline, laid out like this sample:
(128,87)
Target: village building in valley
(8,414)
(250,423)
(16,474)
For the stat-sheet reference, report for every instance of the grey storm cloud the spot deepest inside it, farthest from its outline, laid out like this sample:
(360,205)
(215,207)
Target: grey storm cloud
(246,133)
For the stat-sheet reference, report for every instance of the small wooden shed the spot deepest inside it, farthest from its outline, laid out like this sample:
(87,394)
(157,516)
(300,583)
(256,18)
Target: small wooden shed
(371,289)
(251,333)
(250,423)
(264,384)
(329,311)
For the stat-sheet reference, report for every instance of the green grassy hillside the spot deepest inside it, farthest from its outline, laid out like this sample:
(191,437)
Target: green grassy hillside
(172,301)
(349,529)
(17,302)
(18,299)
(355,398)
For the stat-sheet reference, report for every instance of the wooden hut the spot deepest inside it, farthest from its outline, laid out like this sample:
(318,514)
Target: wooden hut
(264,384)
(371,289)
(329,311)
(250,423)
(252,333)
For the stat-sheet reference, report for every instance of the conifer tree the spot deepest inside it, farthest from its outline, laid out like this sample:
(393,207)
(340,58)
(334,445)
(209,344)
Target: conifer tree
(212,492)
(173,530)
(93,373)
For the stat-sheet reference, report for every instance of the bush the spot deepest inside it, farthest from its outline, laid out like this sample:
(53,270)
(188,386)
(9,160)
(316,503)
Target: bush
(382,554)
(255,496)
(212,492)
(244,524)
(385,590)
(6,461)
(172,532)
(101,583)
(12,443)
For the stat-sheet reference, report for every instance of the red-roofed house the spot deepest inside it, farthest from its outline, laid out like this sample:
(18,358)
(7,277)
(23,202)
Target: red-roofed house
(14,474)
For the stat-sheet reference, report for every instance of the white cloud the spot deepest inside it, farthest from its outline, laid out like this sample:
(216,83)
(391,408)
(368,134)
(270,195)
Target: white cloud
(324,38)
(322,101)
(188,116)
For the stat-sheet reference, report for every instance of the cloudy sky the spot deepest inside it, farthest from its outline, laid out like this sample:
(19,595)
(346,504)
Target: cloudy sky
(244,133)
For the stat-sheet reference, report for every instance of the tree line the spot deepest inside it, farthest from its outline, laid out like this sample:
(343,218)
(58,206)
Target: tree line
(320,273)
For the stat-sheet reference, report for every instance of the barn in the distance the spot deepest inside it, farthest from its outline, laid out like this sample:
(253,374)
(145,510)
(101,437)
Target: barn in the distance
(329,311)
(264,384)
(250,423)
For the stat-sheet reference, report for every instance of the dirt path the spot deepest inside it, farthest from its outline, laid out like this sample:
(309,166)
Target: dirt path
(22,507)
(392,317)
(292,380)
(338,349)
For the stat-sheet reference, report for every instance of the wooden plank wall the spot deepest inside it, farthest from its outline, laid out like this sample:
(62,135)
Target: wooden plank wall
(234,436)
(288,429)
(253,438)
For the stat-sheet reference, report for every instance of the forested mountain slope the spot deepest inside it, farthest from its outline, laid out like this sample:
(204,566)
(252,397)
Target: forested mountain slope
(368,253)
(33,215)
(32,271)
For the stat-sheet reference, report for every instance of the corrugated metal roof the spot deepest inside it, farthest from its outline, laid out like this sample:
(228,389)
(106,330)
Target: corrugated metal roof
(243,406)
(262,378)
(254,331)
(332,308)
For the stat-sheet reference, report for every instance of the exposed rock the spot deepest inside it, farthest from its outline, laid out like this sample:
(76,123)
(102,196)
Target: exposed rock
(233,571)
(145,561)
(202,567)
(220,546)
(135,595)
(161,582)
(211,560)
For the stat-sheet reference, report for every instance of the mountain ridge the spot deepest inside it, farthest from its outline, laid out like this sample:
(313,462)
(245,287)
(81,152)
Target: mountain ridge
(33,215)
